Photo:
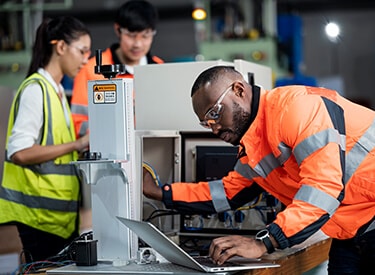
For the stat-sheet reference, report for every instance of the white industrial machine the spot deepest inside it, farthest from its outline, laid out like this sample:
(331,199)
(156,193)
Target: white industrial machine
(110,166)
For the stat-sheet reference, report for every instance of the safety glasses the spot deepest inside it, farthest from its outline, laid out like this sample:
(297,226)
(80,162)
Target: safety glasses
(213,115)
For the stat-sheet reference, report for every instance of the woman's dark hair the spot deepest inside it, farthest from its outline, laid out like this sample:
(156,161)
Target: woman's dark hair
(137,15)
(65,28)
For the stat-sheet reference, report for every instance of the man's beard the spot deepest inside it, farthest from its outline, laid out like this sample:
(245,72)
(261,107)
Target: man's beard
(241,122)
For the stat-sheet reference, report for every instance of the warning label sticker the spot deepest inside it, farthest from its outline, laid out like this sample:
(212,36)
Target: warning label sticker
(104,93)
(110,97)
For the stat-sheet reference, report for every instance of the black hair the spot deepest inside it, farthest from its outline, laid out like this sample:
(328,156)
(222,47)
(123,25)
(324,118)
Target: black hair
(137,15)
(65,28)
(211,75)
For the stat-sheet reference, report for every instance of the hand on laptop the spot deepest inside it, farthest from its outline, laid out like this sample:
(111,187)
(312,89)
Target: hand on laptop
(223,248)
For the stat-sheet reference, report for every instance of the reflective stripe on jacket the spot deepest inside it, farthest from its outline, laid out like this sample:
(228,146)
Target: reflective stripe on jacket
(295,150)
(44,196)
(79,100)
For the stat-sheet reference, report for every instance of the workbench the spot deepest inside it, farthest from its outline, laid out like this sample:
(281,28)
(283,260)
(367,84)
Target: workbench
(298,259)
(293,261)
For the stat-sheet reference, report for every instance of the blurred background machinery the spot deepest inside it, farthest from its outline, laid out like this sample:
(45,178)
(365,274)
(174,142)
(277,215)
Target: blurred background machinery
(253,31)
(287,35)
(241,29)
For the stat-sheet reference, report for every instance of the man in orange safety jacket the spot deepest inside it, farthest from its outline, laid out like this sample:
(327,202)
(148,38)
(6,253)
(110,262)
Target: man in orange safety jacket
(135,24)
(309,147)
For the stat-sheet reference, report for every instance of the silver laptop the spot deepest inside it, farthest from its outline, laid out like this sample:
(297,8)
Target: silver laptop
(175,254)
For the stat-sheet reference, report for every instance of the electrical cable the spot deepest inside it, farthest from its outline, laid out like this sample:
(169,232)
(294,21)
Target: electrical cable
(153,205)
(40,266)
(153,173)
(259,199)
(64,257)
(163,212)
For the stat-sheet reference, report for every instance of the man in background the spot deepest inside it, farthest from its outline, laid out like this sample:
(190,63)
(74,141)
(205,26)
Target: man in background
(135,26)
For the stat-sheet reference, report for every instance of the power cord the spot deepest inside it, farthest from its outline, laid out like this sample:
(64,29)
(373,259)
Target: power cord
(161,212)
(40,266)
(65,257)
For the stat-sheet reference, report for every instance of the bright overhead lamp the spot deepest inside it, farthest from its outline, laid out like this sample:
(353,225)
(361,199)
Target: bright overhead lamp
(332,31)
(199,14)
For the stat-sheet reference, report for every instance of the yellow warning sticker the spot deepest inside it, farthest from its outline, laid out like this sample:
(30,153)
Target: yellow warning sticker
(105,93)
(104,87)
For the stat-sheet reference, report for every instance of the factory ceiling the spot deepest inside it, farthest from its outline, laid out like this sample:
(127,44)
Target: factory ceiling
(103,10)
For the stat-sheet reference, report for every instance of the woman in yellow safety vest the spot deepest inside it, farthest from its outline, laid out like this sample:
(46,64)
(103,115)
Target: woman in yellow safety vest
(40,188)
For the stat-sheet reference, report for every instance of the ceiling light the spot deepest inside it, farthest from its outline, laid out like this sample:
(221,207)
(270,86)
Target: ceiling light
(199,14)
(332,30)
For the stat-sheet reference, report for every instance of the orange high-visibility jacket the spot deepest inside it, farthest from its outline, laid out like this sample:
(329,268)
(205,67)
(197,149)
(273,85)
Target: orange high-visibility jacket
(310,148)
(79,100)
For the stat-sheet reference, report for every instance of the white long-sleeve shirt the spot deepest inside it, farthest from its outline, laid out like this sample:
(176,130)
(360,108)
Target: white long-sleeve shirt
(27,128)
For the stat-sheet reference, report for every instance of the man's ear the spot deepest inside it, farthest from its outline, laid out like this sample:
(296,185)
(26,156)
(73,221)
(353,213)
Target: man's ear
(238,89)
(117,29)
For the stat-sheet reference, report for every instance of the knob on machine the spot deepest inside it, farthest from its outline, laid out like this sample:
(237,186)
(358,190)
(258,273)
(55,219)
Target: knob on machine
(109,70)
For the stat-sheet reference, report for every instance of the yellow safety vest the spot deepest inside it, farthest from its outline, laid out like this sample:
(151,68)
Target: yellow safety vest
(44,196)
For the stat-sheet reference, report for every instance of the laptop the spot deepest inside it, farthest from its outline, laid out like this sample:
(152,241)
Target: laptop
(175,254)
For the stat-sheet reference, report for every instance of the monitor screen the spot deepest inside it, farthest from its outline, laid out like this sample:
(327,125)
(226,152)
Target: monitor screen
(214,162)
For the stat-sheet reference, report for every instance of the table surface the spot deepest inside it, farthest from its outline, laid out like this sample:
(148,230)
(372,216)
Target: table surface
(295,260)
(299,258)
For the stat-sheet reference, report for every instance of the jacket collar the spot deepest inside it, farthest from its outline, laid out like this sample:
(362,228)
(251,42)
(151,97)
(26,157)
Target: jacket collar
(254,103)
(116,60)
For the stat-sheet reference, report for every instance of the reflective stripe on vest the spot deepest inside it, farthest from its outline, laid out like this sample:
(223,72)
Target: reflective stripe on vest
(317,198)
(359,151)
(49,167)
(219,199)
(262,169)
(83,129)
(315,142)
(38,202)
(79,109)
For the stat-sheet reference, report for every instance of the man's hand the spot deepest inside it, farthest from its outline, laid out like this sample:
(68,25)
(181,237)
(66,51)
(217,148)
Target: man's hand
(150,189)
(221,249)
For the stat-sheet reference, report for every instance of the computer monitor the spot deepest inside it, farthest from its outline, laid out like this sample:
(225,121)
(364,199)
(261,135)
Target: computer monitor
(214,162)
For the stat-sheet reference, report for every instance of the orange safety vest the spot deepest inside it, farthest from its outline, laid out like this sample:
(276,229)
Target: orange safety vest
(79,100)
(310,148)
